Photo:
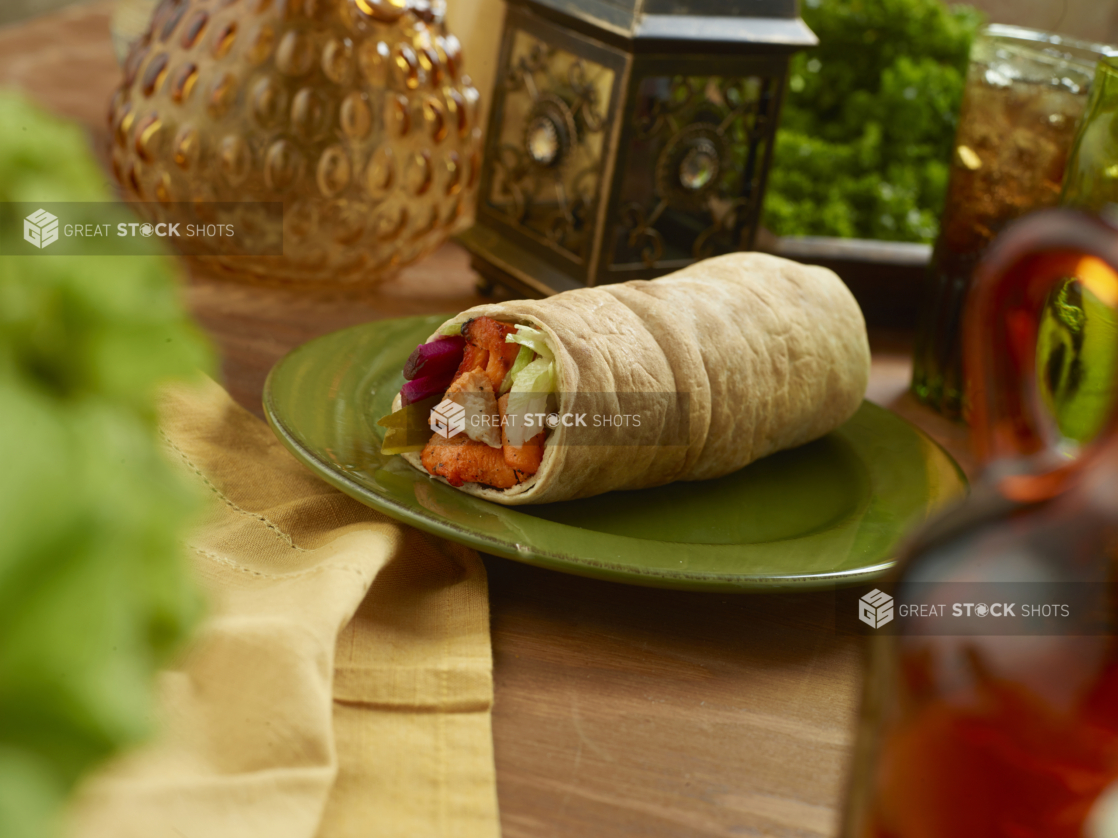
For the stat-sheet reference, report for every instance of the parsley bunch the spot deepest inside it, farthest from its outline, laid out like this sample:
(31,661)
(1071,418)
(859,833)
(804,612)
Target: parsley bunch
(94,589)
(865,141)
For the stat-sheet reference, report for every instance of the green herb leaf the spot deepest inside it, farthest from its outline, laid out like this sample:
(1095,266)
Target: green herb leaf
(95,593)
(867,131)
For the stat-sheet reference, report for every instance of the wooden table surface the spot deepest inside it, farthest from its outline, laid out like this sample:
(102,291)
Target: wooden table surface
(620,711)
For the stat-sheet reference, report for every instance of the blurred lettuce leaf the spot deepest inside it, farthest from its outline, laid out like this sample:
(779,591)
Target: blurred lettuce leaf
(95,592)
(868,125)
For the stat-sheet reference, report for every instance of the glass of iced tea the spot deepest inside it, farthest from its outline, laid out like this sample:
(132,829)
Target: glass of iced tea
(1025,93)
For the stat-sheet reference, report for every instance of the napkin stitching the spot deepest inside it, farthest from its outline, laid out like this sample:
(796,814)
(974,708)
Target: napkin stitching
(225,560)
(256,515)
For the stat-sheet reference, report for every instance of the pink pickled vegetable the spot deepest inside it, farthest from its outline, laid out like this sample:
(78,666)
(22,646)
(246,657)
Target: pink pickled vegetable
(422,388)
(442,356)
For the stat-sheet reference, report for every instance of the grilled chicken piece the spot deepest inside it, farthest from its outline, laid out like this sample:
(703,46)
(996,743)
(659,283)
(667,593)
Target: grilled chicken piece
(487,335)
(474,393)
(472,359)
(463,460)
(526,458)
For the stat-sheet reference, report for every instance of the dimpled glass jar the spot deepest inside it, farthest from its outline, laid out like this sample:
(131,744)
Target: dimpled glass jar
(355,114)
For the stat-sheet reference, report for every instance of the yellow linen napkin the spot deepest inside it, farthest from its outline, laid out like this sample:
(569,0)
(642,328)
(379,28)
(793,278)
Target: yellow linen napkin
(341,684)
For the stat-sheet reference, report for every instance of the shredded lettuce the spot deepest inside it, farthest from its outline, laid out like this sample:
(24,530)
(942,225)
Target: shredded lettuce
(530,376)
(531,389)
(537,377)
(534,339)
(523,359)
(450,329)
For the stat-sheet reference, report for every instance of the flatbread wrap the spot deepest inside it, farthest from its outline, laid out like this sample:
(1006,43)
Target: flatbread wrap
(724,362)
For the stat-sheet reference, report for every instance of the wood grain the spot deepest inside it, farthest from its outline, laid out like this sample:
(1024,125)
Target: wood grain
(620,711)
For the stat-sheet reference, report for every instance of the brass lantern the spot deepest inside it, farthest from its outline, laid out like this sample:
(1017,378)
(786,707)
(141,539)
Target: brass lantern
(628,138)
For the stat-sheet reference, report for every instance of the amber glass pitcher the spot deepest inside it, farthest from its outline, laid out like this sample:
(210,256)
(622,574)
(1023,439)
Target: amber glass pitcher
(1003,722)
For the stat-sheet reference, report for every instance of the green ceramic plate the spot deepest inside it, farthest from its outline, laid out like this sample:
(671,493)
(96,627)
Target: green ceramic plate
(828,513)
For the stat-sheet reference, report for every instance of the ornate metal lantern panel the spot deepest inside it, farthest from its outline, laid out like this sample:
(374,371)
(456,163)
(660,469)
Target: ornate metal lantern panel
(698,147)
(628,138)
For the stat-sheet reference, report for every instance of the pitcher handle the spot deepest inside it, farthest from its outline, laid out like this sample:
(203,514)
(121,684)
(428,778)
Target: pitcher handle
(1014,437)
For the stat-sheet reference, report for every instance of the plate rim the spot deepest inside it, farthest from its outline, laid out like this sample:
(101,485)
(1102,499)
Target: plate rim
(565,562)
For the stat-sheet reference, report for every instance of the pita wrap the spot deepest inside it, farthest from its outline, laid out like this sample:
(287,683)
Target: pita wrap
(726,361)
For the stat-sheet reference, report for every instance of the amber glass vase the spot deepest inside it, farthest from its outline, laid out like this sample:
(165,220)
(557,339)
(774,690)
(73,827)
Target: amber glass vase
(130,21)
(355,114)
(996,733)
